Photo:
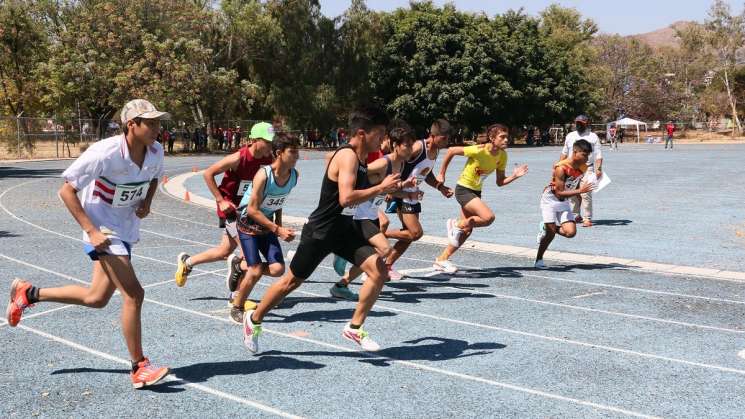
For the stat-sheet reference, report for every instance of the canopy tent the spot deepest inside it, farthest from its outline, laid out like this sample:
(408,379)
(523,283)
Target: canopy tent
(628,122)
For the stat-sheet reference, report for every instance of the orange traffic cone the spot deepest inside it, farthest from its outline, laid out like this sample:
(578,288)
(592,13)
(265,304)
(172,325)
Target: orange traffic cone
(165,179)
(187,198)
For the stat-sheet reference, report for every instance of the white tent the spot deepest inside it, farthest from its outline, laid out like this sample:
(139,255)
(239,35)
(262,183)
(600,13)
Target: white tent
(628,122)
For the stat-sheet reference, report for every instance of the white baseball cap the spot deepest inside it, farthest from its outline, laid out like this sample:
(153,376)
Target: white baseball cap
(141,108)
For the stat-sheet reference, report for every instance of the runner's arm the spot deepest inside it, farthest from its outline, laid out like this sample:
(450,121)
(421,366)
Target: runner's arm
(346,163)
(228,163)
(452,152)
(519,172)
(559,187)
(144,209)
(69,196)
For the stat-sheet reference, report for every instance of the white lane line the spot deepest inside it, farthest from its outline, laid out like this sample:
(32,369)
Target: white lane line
(635,289)
(321,343)
(170,378)
(549,338)
(595,310)
(602,285)
(511,251)
(461,322)
(590,294)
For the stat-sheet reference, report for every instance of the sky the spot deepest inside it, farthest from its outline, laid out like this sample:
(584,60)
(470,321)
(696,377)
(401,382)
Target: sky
(626,17)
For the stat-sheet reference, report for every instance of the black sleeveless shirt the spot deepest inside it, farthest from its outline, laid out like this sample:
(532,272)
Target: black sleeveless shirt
(329,210)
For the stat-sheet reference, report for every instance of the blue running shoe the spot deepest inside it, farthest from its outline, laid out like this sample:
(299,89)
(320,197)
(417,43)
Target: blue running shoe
(340,265)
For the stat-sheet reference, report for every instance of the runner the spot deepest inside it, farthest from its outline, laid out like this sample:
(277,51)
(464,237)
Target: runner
(408,209)
(327,231)
(584,202)
(117,178)
(239,170)
(483,159)
(557,213)
(368,217)
(258,234)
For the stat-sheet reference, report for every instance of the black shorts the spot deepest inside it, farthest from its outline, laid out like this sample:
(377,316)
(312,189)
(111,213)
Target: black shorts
(368,228)
(406,208)
(464,195)
(345,240)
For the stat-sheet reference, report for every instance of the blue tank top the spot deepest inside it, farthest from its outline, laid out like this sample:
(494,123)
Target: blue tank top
(272,200)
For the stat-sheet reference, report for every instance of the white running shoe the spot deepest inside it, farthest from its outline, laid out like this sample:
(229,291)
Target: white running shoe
(454,232)
(360,337)
(251,333)
(445,266)
(539,264)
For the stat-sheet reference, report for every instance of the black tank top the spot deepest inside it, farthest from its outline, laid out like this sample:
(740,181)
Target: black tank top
(411,164)
(329,209)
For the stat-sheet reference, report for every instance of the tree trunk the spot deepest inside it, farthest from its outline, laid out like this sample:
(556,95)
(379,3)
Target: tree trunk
(737,128)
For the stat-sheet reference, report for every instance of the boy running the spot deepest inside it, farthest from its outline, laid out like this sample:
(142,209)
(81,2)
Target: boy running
(555,208)
(420,167)
(328,231)
(367,216)
(483,159)
(117,178)
(256,231)
(239,170)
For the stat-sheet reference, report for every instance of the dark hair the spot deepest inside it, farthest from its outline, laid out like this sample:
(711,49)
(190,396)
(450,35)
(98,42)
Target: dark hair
(283,141)
(440,127)
(495,128)
(583,145)
(399,132)
(137,121)
(367,118)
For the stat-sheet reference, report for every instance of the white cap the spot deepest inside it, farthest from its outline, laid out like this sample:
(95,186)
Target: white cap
(141,108)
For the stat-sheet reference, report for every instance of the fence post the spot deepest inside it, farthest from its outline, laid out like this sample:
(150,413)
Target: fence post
(18,134)
(56,140)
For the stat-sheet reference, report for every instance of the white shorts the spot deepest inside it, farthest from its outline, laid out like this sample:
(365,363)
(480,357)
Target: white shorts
(555,211)
(231,228)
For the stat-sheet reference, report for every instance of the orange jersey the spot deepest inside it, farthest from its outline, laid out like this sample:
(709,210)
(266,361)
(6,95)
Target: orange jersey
(572,176)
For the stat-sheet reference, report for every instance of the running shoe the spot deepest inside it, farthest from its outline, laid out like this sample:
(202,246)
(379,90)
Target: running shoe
(182,271)
(541,232)
(587,223)
(445,266)
(394,275)
(539,264)
(360,337)
(251,333)
(340,265)
(236,314)
(247,305)
(147,374)
(454,232)
(344,293)
(18,302)
(235,273)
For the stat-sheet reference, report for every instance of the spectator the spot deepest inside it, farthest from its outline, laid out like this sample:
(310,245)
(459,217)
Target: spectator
(670,128)
(594,164)
(167,140)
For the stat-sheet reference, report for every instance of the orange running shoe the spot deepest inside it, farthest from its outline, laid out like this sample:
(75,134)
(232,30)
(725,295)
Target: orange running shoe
(18,302)
(147,374)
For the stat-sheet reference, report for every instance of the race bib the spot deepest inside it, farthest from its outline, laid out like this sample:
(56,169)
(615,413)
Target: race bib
(378,200)
(350,211)
(243,187)
(273,203)
(129,194)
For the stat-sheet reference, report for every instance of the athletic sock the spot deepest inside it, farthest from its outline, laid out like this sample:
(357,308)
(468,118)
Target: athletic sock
(187,262)
(32,294)
(135,366)
(252,320)
(340,285)
(353,326)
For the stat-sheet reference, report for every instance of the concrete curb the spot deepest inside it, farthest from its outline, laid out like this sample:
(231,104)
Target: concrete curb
(175,187)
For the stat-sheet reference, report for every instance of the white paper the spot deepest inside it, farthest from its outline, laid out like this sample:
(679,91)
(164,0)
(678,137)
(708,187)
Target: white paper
(600,184)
